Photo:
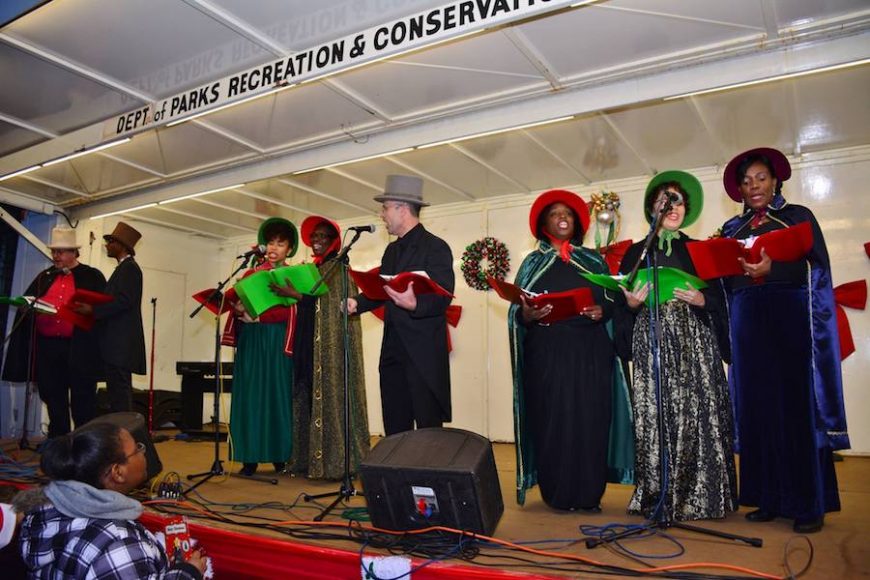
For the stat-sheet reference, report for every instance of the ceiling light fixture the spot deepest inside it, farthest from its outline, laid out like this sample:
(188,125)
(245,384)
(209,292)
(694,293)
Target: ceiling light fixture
(87,151)
(200,194)
(770,79)
(120,211)
(495,132)
(20,172)
(271,91)
(396,152)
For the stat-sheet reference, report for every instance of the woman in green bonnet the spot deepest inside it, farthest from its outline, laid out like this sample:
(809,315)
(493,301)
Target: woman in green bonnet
(261,417)
(691,403)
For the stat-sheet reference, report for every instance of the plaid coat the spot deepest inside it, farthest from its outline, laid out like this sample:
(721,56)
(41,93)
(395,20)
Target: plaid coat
(56,546)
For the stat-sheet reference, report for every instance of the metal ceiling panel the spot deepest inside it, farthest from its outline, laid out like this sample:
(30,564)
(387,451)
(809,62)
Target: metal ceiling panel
(158,46)
(185,222)
(39,190)
(823,126)
(473,69)
(187,146)
(303,113)
(93,174)
(375,172)
(13,138)
(667,135)
(800,12)
(586,40)
(284,192)
(301,24)
(446,163)
(51,97)
(752,117)
(591,146)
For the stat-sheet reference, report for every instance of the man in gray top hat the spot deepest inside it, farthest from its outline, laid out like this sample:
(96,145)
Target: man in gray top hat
(414,366)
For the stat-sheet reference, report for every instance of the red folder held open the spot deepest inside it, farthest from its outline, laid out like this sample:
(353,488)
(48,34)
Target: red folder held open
(566,304)
(81,296)
(371,284)
(215,303)
(719,257)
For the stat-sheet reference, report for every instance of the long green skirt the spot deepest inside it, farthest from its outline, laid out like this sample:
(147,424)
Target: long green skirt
(261,417)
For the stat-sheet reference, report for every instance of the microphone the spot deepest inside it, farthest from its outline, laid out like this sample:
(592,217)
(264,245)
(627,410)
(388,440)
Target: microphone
(371,228)
(255,251)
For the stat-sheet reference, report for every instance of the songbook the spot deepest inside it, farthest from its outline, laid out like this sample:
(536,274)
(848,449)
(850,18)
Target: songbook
(37,304)
(371,284)
(669,279)
(718,257)
(566,304)
(81,296)
(217,304)
(255,293)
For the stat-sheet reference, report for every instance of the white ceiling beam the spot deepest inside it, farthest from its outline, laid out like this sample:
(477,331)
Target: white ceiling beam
(429,177)
(229,208)
(55,185)
(533,55)
(227,134)
(277,202)
(540,143)
(712,136)
(682,17)
(768,12)
(319,193)
(650,170)
(347,175)
(25,233)
(25,201)
(202,218)
(174,226)
(25,125)
(523,188)
(75,67)
(239,26)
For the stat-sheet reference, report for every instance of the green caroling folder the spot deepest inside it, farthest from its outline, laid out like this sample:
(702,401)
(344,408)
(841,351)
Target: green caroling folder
(669,280)
(255,294)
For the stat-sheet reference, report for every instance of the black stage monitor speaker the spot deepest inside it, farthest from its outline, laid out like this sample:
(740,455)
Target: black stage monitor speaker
(135,424)
(433,477)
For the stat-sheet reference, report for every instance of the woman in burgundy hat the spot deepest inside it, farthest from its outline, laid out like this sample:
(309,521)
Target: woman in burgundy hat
(567,380)
(786,379)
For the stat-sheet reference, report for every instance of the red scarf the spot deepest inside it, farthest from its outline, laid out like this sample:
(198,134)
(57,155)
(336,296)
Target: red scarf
(759,217)
(564,246)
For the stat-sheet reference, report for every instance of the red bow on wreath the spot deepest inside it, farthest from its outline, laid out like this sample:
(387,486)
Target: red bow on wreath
(853,295)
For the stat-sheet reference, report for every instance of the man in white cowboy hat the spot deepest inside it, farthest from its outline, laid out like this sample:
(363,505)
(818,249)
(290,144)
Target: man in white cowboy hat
(414,365)
(122,338)
(65,359)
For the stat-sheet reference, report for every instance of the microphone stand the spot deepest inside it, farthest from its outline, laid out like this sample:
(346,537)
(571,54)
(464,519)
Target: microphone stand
(217,467)
(24,443)
(346,490)
(661,519)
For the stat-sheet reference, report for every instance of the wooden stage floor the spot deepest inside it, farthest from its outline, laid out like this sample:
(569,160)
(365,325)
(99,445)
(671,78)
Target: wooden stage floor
(840,550)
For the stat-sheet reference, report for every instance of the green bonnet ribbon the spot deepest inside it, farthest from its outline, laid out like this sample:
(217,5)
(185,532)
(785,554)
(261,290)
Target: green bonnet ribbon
(665,238)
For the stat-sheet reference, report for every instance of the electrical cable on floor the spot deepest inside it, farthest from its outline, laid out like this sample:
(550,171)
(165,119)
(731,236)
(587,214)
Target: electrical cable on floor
(438,543)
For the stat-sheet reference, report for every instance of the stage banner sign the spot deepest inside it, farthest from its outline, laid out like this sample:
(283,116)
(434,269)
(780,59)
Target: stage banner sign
(446,22)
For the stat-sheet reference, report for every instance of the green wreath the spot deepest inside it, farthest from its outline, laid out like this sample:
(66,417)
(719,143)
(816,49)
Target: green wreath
(497,258)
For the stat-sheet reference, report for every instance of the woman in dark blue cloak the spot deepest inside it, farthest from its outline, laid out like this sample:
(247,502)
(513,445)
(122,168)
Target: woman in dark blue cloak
(785,376)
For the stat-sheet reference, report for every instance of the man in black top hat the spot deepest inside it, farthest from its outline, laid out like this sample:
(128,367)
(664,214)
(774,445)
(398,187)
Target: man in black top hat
(122,338)
(414,365)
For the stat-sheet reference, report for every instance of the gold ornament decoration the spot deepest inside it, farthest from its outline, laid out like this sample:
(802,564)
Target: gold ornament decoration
(604,207)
